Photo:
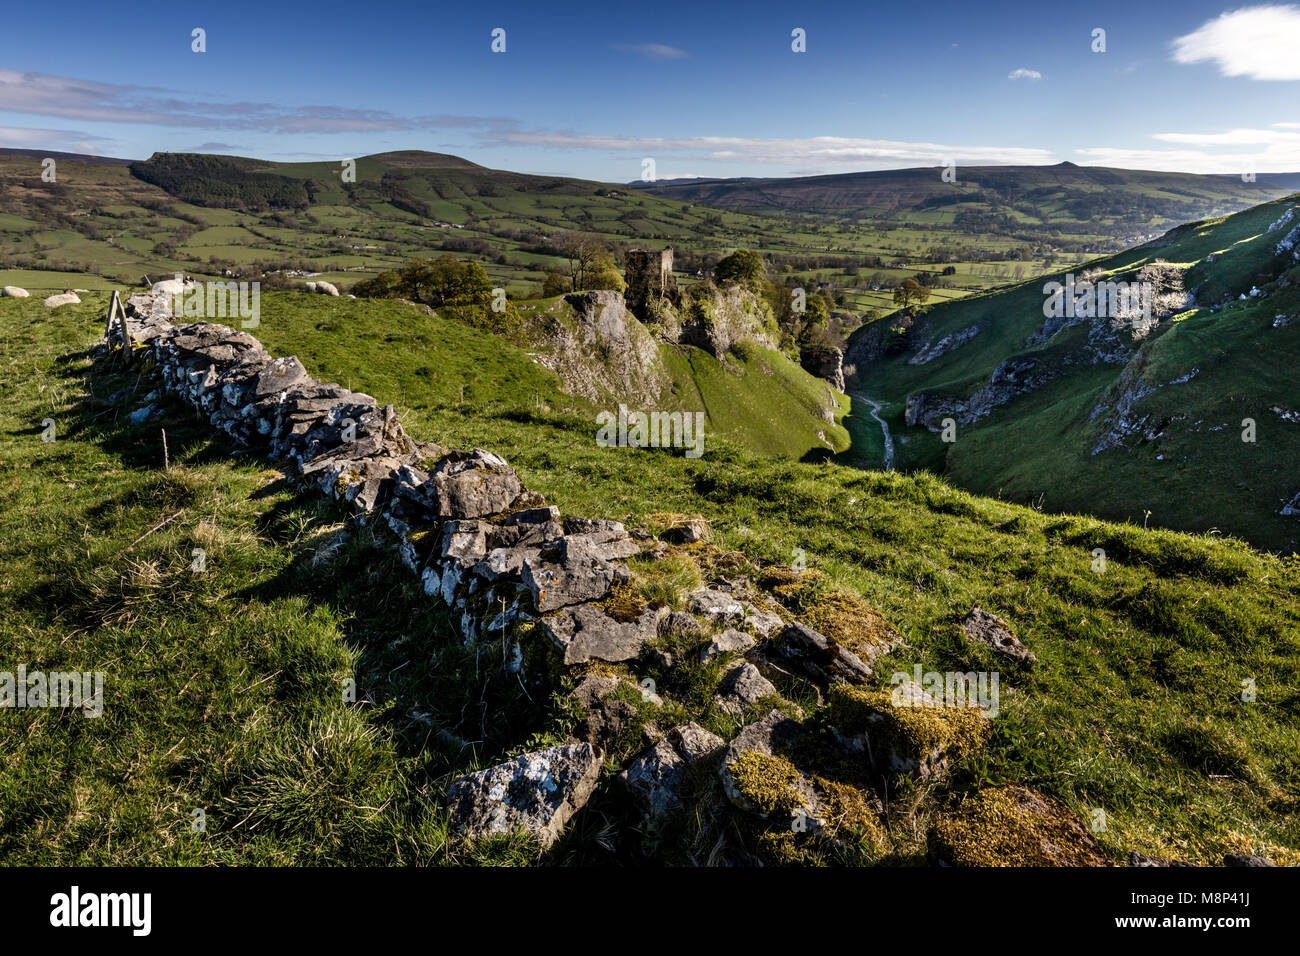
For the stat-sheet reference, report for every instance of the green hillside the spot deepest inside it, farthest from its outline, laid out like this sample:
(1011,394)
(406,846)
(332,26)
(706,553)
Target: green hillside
(1178,459)
(222,689)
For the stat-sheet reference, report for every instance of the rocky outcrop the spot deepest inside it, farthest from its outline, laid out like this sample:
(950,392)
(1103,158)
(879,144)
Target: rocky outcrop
(598,348)
(929,352)
(654,779)
(717,320)
(824,361)
(1012,378)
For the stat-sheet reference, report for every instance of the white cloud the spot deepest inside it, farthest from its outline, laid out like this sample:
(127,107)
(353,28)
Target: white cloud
(1024,74)
(55,140)
(1276,149)
(1262,43)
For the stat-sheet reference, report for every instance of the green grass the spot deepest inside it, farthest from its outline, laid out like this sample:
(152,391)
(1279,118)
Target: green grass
(223,689)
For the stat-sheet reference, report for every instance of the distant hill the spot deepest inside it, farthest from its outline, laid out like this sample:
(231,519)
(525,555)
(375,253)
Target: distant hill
(1065,199)
(75,157)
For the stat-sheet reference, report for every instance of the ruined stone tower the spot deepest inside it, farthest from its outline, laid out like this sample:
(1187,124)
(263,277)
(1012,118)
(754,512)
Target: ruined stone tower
(649,278)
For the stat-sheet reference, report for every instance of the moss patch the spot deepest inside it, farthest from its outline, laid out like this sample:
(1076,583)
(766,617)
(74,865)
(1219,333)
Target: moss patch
(769,783)
(908,732)
(1013,826)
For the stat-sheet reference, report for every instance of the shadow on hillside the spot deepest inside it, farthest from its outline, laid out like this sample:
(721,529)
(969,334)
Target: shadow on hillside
(866,444)
(110,393)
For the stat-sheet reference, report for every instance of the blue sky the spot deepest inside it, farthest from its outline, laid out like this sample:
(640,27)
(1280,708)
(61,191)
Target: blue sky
(590,89)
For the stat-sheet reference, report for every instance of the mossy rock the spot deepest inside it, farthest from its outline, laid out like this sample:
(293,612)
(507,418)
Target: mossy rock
(1013,826)
(852,623)
(906,732)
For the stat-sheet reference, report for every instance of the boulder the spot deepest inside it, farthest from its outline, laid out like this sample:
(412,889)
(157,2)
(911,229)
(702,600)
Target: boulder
(574,580)
(761,622)
(14,292)
(757,778)
(995,634)
(63,298)
(804,649)
(742,688)
(654,780)
(587,632)
(1013,826)
(536,792)
(714,605)
(681,624)
(729,641)
(905,730)
(471,485)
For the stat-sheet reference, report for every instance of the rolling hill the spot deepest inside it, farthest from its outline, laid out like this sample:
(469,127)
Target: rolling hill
(1104,208)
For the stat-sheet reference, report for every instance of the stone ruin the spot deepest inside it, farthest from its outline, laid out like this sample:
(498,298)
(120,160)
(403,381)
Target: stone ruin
(507,566)
(649,278)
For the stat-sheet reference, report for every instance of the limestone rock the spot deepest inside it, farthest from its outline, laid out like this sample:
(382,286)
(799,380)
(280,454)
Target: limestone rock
(681,624)
(995,634)
(537,792)
(1013,826)
(820,658)
(761,622)
(472,486)
(575,580)
(715,605)
(586,632)
(742,688)
(654,780)
(729,641)
(758,779)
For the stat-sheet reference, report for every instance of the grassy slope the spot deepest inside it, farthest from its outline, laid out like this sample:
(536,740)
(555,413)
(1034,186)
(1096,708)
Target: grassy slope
(223,689)
(431,367)
(1038,447)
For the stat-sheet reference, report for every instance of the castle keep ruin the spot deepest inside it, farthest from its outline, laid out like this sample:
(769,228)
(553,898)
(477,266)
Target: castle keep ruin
(649,278)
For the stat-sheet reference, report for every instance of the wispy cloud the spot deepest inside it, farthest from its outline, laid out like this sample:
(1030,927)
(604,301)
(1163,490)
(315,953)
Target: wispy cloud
(43,94)
(1275,149)
(1024,74)
(652,51)
(56,140)
(822,152)
(1262,43)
